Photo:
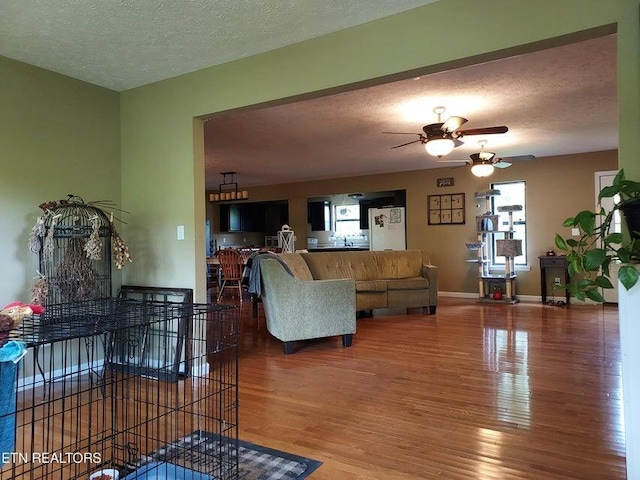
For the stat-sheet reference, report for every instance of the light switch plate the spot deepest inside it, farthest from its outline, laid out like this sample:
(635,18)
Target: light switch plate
(180,232)
(575,232)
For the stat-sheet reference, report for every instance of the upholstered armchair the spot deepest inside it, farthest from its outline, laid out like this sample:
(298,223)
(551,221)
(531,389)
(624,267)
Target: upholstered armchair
(304,309)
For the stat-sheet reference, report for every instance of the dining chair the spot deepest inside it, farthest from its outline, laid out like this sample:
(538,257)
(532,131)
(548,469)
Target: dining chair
(231,265)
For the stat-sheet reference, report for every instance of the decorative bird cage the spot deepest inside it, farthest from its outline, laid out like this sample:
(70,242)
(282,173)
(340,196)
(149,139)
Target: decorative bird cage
(74,242)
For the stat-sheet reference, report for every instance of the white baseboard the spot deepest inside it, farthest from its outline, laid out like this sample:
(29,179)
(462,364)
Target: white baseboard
(457,294)
(37,380)
(522,298)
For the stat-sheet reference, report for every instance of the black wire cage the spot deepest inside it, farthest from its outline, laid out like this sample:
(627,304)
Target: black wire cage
(124,388)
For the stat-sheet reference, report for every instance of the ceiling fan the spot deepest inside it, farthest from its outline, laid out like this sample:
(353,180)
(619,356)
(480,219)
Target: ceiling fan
(483,162)
(442,137)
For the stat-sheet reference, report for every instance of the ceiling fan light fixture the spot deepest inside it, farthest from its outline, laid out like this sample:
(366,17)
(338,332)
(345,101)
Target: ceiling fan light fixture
(483,155)
(482,169)
(439,146)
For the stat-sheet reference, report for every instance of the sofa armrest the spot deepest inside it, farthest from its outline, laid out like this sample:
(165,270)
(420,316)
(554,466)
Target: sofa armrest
(303,309)
(430,272)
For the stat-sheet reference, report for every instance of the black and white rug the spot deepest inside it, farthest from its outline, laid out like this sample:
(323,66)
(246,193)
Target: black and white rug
(215,458)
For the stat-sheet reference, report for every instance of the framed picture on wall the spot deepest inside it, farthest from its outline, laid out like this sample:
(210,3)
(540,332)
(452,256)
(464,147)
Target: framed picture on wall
(446,209)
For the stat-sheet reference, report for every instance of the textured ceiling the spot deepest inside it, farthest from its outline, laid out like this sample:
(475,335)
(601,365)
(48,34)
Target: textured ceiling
(121,44)
(555,102)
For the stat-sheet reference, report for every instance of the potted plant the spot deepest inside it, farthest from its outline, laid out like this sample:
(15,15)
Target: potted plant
(590,255)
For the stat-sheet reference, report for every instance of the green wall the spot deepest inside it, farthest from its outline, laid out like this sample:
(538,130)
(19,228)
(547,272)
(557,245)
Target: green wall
(162,174)
(57,136)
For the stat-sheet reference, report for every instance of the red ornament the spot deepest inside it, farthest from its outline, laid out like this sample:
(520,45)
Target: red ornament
(497,294)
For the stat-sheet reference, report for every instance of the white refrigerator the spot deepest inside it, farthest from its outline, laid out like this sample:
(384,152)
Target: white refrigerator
(387,229)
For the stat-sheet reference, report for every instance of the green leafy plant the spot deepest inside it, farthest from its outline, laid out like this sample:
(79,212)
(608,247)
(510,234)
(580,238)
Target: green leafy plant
(590,255)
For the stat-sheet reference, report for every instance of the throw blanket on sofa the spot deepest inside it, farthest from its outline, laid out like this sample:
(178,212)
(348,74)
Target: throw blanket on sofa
(251,273)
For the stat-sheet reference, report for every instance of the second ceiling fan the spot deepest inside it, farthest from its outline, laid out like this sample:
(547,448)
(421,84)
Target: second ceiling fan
(441,138)
(483,163)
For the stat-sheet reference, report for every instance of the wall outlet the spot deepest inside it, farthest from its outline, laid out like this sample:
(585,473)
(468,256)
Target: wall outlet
(575,232)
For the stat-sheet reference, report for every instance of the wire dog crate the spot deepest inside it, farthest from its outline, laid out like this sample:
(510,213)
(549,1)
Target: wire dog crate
(97,394)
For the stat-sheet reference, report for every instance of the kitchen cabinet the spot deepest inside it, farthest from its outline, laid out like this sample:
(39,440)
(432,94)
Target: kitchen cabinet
(224,212)
(365,205)
(235,225)
(316,216)
(252,217)
(235,218)
(276,215)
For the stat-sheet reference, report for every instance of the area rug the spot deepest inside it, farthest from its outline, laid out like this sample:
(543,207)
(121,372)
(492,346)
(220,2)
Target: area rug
(199,451)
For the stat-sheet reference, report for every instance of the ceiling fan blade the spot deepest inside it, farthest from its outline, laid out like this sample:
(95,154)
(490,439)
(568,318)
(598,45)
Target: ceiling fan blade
(408,143)
(453,123)
(483,131)
(401,133)
(452,161)
(517,158)
(501,164)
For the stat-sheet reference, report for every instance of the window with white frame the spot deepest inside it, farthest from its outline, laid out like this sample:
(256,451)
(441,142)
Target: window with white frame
(347,220)
(511,193)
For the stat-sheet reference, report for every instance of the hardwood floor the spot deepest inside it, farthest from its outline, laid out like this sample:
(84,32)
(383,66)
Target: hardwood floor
(477,391)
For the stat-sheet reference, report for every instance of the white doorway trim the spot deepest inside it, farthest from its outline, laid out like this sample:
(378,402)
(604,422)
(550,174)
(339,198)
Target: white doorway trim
(604,179)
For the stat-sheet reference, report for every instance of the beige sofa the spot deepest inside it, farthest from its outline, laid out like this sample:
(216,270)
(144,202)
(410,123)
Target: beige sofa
(384,279)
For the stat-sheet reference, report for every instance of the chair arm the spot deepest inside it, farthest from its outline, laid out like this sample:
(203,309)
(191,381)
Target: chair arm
(299,309)
(430,272)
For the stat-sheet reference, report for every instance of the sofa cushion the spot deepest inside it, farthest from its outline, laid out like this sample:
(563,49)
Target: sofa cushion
(417,283)
(371,286)
(409,298)
(365,266)
(371,300)
(297,265)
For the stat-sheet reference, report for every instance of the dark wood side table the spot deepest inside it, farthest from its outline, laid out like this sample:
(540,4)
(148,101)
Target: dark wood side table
(557,262)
